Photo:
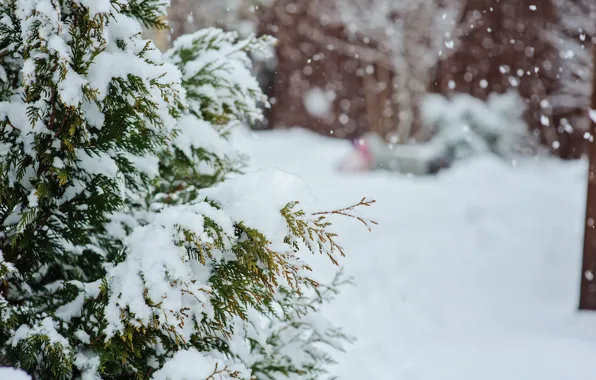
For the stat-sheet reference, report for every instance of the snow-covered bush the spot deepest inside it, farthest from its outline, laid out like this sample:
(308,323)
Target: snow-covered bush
(129,245)
(466,125)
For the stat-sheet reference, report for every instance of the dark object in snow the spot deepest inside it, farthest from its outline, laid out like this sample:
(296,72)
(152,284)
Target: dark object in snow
(437,165)
(588,273)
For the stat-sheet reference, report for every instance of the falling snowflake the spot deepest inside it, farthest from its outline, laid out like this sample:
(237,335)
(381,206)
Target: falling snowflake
(318,102)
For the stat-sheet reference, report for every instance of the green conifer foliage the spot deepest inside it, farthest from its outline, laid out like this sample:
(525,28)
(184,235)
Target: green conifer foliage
(130,244)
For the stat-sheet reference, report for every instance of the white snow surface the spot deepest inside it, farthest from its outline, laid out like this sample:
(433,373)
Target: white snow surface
(192,365)
(471,274)
(9,373)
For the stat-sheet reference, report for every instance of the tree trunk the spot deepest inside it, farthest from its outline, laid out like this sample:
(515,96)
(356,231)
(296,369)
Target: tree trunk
(588,280)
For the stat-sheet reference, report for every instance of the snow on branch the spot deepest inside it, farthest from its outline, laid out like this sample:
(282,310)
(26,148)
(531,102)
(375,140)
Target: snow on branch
(131,244)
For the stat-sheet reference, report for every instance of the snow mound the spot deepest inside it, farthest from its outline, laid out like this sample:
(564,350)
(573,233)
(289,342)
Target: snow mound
(471,274)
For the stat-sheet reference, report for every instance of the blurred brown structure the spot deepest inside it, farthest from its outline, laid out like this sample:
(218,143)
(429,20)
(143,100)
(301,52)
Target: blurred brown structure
(497,45)
(315,53)
(508,44)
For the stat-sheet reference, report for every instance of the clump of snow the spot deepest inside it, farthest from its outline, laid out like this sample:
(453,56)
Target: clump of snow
(157,263)
(70,89)
(110,65)
(58,163)
(194,133)
(74,308)
(256,199)
(147,164)
(16,112)
(88,362)
(318,102)
(193,365)
(5,265)
(46,327)
(33,198)
(9,373)
(100,163)
(3,76)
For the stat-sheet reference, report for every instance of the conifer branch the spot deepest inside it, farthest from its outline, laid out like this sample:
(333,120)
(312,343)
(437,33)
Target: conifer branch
(59,130)
(346,211)
(220,372)
(12,126)
(315,233)
(53,97)
(117,255)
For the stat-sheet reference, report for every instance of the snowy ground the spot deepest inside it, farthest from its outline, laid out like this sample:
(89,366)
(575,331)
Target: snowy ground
(470,275)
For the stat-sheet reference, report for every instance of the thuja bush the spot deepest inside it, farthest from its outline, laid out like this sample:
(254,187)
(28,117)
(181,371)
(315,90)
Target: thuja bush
(131,246)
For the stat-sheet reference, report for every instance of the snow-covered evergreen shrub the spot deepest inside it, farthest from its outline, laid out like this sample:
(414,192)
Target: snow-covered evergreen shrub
(466,125)
(122,253)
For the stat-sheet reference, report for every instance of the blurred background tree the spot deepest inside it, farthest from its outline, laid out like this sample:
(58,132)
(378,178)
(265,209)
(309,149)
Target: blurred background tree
(347,67)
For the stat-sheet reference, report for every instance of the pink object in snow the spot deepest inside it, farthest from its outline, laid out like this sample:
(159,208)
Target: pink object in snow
(360,159)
